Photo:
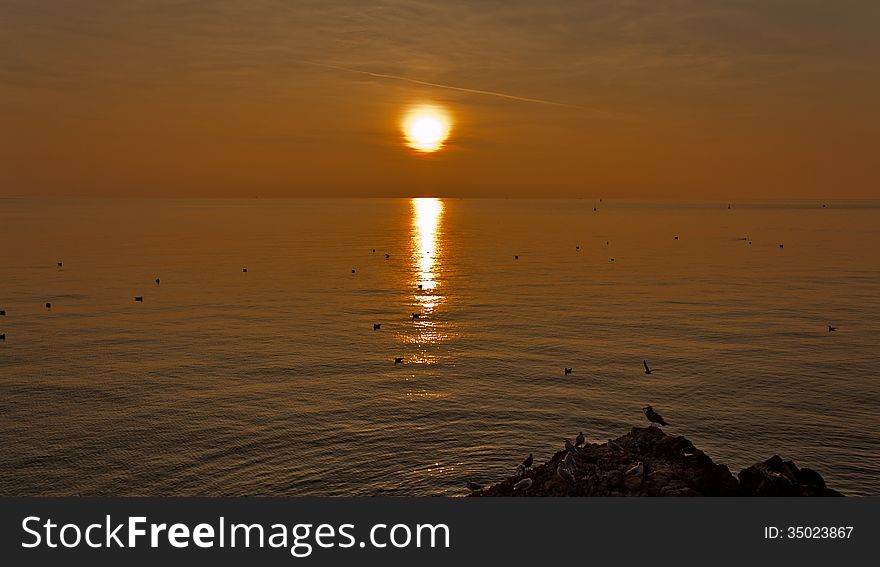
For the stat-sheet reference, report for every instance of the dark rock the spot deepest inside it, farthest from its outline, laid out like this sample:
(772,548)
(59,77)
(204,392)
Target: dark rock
(672,467)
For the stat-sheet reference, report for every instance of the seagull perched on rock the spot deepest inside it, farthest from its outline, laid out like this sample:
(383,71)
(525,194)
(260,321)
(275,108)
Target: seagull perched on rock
(653,416)
(569,462)
(528,461)
(614,445)
(580,439)
(637,470)
(568,371)
(569,447)
(377,326)
(524,484)
(520,470)
(564,474)
(474,486)
(647,368)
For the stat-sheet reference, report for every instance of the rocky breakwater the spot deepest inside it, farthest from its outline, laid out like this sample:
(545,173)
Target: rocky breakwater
(647,462)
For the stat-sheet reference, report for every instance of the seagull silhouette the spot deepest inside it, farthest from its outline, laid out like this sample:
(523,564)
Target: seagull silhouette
(528,461)
(653,416)
(377,326)
(831,329)
(568,371)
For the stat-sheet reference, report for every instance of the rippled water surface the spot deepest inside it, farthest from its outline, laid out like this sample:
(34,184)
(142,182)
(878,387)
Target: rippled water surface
(273,381)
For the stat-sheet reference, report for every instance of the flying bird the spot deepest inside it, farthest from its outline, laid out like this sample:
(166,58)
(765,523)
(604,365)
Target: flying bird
(568,371)
(647,369)
(580,439)
(564,474)
(377,326)
(528,461)
(637,470)
(398,359)
(524,484)
(653,416)
(830,328)
(139,298)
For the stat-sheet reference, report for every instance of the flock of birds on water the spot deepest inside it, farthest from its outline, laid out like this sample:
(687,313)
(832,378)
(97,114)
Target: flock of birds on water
(566,470)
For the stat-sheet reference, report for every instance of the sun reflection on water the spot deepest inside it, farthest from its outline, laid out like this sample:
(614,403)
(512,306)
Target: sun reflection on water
(427,249)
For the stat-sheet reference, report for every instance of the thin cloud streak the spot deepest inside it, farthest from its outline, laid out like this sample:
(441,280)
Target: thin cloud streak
(450,87)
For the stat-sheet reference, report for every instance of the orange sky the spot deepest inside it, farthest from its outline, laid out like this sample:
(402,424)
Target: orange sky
(693,99)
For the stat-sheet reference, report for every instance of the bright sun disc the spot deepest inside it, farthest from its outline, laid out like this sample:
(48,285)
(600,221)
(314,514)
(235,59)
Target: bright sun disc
(426,128)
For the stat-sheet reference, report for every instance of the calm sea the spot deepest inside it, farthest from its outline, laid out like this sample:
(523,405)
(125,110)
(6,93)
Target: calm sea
(273,381)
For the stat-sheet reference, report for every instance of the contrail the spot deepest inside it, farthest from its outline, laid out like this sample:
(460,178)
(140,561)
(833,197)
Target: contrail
(442,86)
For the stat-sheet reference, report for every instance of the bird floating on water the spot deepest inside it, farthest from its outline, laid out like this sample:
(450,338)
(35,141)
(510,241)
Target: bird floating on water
(157,281)
(416,316)
(3,312)
(387,256)
(578,247)
(781,246)
(524,484)
(568,371)
(244,270)
(516,257)
(421,286)
(60,264)
(564,474)
(398,359)
(3,337)
(653,416)
(474,486)
(352,271)
(377,326)
(580,439)
(612,259)
(139,298)
(637,470)
(48,305)
(647,368)
(676,238)
(830,328)
(528,461)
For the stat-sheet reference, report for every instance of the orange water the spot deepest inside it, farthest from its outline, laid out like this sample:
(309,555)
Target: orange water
(272,382)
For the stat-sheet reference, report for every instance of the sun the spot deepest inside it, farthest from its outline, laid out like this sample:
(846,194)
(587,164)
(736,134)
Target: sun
(426,128)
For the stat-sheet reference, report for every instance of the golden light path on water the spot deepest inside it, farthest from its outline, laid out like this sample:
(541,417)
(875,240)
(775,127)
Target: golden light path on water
(426,252)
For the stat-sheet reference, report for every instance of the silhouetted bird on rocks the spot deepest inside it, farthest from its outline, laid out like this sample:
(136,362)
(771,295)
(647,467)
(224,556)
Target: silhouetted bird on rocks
(580,439)
(653,416)
(528,461)
(564,474)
